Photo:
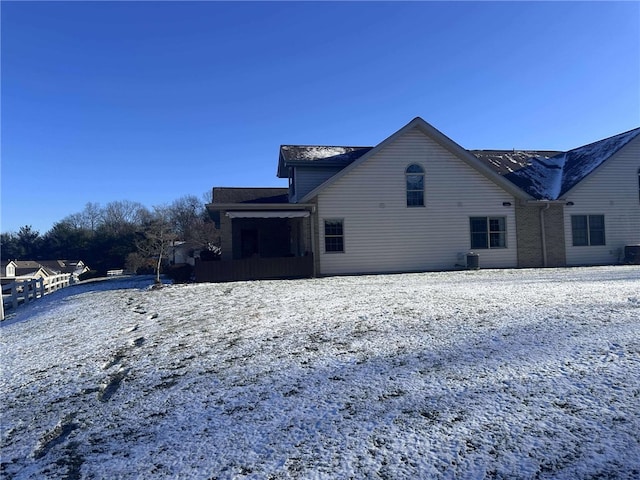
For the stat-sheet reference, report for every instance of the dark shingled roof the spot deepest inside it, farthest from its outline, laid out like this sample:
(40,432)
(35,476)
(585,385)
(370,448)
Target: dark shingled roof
(517,165)
(581,161)
(61,266)
(250,195)
(548,175)
(509,161)
(543,174)
(317,155)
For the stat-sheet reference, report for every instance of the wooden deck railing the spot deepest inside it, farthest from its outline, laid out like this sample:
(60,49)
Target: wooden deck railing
(253,269)
(25,290)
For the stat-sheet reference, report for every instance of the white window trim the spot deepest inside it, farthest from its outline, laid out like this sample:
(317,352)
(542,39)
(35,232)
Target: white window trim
(489,231)
(324,236)
(604,226)
(424,187)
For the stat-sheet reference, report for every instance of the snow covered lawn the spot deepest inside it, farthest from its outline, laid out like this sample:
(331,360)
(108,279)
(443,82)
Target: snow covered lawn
(485,374)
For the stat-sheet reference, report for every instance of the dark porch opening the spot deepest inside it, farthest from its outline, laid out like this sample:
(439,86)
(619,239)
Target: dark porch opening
(262,237)
(262,245)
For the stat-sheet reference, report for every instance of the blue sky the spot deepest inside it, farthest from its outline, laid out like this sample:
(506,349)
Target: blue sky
(148,102)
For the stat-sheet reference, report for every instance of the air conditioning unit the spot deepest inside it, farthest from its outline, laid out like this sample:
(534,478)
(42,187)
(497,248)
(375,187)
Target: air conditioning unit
(632,255)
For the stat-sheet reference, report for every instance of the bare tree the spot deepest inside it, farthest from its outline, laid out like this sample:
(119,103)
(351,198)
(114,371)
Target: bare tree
(92,216)
(156,237)
(192,223)
(208,236)
(122,215)
(186,214)
(75,221)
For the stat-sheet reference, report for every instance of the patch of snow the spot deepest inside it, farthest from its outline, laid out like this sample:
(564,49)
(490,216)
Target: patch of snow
(319,152)
(491,373)
(550,189)
(313,153)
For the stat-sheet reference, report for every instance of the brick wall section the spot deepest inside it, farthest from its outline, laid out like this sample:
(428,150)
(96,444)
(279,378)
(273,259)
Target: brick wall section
(530,238)
(554,226)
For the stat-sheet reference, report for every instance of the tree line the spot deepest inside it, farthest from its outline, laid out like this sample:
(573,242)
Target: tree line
(121,234)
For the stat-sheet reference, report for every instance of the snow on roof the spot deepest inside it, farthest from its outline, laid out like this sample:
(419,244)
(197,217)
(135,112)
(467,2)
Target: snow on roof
(543,174)
(310,153)
(548,175)
(509,161)
(581,161)
(317,155)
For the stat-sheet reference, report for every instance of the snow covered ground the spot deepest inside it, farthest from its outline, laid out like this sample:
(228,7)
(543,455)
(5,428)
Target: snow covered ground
(484,374)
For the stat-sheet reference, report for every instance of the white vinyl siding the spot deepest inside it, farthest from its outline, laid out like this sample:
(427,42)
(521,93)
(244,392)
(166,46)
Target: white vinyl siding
(612,191)
(306,179)
(386,236)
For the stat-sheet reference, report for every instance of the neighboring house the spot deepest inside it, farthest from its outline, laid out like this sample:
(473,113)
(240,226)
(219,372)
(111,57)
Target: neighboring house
(8,269)
(27,269)
(73,267)
(43,268)
(184,253)
(419,201)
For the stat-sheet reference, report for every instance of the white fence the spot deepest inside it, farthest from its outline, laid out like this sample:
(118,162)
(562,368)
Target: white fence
(25,290)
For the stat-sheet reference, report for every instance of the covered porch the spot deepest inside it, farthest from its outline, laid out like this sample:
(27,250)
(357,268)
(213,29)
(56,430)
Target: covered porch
(261,242)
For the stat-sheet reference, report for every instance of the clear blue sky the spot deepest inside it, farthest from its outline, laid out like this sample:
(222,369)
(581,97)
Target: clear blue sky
(149,102)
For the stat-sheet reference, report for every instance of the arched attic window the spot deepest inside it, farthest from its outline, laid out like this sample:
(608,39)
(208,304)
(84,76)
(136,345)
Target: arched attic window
(414,176)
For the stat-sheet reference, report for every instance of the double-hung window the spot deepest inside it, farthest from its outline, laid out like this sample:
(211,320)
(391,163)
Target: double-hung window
(334,236)
(587,230)
(488,232)
(414,176)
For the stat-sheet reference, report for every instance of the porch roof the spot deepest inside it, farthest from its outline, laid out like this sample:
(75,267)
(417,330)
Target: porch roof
(261,206)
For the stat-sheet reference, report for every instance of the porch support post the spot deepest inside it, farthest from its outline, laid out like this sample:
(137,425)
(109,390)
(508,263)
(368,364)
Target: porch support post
(313,243)
(226,240)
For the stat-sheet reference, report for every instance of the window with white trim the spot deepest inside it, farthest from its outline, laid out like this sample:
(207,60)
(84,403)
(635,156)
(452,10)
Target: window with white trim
(488,232)
(334,236)
(587,230)
(414,179)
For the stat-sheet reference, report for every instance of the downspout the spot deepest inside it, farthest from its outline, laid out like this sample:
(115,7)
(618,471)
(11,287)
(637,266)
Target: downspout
(543,234)
(312,220)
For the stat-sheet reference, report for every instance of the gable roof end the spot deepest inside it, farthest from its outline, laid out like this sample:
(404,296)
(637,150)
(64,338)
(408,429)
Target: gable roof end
(582,161)
(443,141)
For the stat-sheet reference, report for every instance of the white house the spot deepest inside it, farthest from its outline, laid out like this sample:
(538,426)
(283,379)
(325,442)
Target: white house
(419,201)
